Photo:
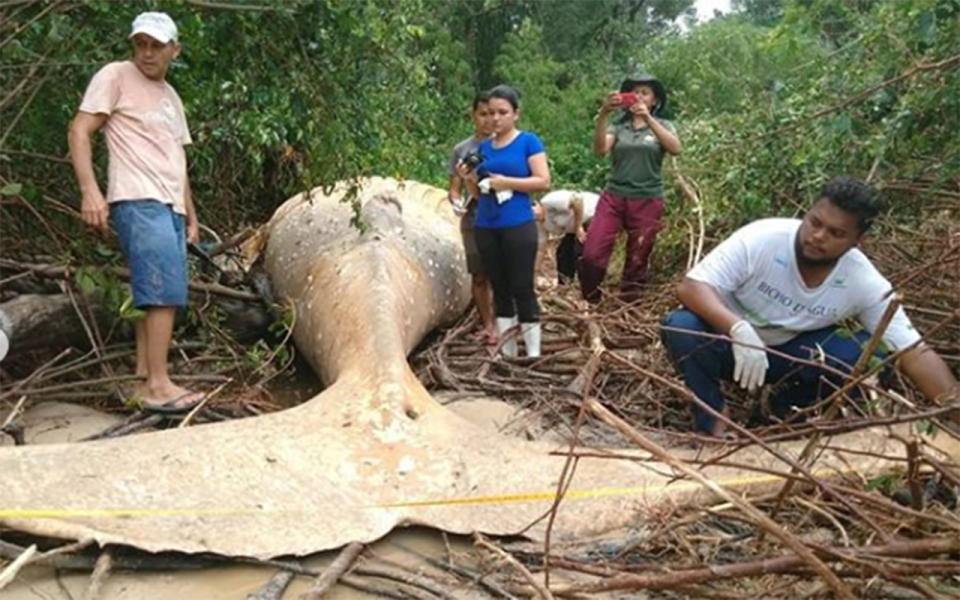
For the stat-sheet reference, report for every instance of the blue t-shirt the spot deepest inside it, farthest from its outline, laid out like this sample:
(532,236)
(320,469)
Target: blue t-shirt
(509,161)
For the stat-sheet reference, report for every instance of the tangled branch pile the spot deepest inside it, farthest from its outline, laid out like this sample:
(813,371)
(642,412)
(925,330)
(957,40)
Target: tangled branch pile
(881,535)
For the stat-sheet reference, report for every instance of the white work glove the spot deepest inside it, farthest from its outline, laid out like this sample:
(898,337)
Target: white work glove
(749,356)
(502,195)
(459,207)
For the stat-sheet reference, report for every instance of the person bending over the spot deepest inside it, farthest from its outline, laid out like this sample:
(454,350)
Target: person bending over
(566,213)
(786,285)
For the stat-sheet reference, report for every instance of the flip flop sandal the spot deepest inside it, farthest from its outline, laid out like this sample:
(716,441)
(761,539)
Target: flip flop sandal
(172,407)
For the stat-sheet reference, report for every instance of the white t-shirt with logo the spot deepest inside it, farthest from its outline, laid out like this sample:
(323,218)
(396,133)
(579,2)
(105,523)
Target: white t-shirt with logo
(145,132)
(755,272)
(557,214)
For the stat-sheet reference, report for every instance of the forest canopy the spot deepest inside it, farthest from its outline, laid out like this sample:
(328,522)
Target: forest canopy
(770,100)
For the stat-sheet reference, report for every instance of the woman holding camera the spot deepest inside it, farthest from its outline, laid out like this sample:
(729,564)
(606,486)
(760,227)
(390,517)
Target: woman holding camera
(633,199)
(514,165)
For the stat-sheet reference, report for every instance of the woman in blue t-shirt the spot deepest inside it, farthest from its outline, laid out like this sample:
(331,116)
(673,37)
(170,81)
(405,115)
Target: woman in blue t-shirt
(514,165)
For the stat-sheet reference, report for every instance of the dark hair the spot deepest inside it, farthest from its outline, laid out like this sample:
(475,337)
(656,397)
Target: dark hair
(855,197)
(644,78)
(481,98)
(505,92)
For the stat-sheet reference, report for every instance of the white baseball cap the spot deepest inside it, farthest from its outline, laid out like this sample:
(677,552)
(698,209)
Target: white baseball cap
(157,25)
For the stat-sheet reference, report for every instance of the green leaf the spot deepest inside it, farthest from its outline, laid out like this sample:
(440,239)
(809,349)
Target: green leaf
(885,483)
(926,427)
(103,250)
(927,27)
(842,124)
(86,281)
(11,189)
(129,312)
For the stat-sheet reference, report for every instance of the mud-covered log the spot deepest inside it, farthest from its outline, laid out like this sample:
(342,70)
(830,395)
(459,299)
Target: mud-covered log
(48,320)
(52,320)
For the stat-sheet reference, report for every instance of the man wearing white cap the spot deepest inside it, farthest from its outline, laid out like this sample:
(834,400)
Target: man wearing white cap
(148,201)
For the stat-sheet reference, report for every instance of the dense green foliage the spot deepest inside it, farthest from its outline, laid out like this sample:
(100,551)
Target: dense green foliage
(769,102)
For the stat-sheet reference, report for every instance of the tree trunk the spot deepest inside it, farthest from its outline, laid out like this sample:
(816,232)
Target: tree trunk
(50,320)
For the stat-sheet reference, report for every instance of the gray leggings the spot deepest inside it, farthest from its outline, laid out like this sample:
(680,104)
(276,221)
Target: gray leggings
(509,255)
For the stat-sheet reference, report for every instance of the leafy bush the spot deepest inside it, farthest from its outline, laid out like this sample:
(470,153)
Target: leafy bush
(769,103)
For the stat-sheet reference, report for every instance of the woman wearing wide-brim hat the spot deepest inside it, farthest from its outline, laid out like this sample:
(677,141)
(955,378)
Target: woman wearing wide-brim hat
(637,140)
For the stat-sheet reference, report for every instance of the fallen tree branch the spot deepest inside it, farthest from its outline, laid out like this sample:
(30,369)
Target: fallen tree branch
(541,590)
(334,572)
(235,7)
(274,588)
(58,559)
(696,249)
(55,271)
(762,520)
(947,63)
(782,565)
(833,401)
(101,571)
(583,383)
(22,559)
(477,578)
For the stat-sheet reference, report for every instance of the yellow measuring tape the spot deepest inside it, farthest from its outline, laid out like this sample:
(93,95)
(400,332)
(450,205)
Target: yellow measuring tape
(65,513)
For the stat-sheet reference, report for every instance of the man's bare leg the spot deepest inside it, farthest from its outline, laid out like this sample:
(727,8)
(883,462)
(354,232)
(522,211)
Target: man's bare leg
(157,330)
(140,334)
(483,297)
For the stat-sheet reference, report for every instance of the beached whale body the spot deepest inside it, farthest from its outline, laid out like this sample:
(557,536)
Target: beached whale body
(373,450)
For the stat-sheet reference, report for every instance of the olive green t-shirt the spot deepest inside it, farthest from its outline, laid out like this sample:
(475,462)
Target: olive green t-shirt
(637,160)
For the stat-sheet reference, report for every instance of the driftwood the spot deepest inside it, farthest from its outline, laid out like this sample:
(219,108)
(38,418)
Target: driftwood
(275,588)
(19,561)
(334,572)
(101,571)
(47,321)
(58,272)
(66,559)
(51,320)
(790,564)
(541,590)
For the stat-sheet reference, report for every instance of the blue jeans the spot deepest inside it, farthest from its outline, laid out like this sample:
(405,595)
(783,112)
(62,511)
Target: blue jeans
(703,362)
(153,240)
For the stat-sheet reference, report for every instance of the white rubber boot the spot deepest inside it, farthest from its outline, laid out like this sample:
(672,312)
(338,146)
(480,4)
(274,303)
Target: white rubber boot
(531,338)
(508,348)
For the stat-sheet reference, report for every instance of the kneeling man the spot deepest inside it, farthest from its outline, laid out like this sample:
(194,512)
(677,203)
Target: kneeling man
(787,284)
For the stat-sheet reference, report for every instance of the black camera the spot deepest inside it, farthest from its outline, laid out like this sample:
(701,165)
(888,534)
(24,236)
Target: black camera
(473,160)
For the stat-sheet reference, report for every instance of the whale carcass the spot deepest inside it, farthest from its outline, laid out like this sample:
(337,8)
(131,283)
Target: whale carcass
(372,451)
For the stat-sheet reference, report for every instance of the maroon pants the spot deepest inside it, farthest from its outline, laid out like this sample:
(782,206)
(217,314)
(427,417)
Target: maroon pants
(641,218)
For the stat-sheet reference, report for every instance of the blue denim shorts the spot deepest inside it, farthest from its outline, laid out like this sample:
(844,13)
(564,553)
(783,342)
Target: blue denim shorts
(152,238)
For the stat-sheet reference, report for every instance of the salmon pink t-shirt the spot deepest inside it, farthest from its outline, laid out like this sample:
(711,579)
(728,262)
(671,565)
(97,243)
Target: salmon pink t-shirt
(145,132)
